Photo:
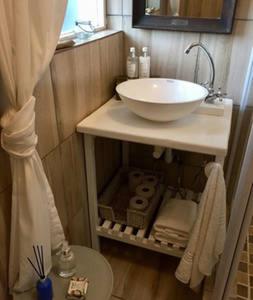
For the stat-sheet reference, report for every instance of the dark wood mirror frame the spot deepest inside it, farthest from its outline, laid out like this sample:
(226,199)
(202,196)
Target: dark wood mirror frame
(222,25)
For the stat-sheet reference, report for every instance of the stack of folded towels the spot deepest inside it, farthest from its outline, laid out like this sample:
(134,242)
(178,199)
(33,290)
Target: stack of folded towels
(175,221)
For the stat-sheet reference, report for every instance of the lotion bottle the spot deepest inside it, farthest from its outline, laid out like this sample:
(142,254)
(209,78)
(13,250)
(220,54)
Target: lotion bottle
(132,64)
(144,64)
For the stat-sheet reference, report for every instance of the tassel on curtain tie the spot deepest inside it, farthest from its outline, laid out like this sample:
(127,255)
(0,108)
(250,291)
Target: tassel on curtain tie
(18,136)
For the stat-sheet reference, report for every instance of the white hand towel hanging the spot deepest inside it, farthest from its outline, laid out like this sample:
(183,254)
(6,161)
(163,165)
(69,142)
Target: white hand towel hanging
(207,240)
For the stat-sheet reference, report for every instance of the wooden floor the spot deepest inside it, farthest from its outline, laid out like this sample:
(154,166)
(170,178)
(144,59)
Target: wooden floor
(144,275)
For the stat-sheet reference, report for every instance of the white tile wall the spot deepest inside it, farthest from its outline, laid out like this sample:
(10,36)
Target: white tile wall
(114,7)
(115,22)
(127,7)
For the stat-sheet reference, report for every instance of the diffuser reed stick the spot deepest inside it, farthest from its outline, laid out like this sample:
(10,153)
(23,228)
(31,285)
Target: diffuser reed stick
(39,256)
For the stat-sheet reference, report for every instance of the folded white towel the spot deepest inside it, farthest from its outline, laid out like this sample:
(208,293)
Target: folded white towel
(171,235)
(207,239)
(176,216)
(171,239)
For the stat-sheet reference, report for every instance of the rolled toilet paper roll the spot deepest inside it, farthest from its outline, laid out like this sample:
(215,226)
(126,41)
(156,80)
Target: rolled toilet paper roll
(138,203)
(145,190)
(150,179)
(135,178)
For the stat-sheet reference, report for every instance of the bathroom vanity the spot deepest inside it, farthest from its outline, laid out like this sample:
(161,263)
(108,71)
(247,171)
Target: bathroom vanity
(198,132)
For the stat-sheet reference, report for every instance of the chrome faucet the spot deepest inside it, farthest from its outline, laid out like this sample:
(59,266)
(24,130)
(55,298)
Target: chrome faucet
(212,95)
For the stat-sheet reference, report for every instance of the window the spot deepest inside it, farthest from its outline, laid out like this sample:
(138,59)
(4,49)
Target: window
(84,11)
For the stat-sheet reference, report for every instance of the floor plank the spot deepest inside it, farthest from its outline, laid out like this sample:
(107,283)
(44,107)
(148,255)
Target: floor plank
(169,287)
(142,274)
(143,277)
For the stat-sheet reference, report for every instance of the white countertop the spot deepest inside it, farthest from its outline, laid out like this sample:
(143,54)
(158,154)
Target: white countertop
(196,132)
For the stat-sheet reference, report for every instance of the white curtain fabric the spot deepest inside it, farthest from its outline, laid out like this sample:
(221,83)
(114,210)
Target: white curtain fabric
(29,31)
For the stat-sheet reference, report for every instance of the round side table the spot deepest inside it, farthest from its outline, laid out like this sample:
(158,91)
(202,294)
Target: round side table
(89,263)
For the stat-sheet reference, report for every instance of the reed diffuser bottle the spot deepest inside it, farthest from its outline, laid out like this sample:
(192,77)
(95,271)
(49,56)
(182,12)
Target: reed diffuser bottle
(44,284)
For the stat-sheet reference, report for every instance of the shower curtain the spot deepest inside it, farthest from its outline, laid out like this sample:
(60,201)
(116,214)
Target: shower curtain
(29,31)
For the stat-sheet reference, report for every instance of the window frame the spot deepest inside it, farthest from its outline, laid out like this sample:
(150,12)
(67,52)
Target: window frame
(69,33)
(100,28)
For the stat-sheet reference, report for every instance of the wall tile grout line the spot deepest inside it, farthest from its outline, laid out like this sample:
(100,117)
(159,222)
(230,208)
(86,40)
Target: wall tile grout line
(114,15)
(58,119)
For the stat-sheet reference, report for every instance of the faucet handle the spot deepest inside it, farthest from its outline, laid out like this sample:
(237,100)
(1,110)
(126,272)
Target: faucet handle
(220,94)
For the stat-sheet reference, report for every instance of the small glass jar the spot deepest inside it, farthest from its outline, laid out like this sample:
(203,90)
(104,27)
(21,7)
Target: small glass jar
(66,263)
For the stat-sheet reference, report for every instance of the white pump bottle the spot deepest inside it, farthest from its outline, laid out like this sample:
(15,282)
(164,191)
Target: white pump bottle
(144,64)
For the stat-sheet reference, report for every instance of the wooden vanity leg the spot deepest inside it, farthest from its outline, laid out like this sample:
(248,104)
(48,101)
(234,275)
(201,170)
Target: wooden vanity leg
(89,147)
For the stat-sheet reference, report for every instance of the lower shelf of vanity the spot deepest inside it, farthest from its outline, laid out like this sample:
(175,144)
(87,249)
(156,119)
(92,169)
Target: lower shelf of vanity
(136,237)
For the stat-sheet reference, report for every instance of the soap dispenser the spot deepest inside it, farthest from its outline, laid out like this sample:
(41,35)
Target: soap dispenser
(132,64)
(144,64)
(66,262)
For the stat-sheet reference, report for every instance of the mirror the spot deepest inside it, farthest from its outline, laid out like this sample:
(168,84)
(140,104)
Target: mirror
(211,9)
(185,15)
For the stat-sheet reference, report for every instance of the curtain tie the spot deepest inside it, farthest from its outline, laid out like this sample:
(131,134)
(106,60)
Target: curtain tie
(18,136)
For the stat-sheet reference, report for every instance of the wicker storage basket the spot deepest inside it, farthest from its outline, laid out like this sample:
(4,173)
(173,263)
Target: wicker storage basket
(113,204)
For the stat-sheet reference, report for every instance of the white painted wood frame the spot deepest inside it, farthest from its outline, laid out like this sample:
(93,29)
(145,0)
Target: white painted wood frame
(89,147)
(105,123)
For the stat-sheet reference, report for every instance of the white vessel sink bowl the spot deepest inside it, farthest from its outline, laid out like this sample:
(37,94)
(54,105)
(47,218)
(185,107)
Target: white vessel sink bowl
(161,99)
